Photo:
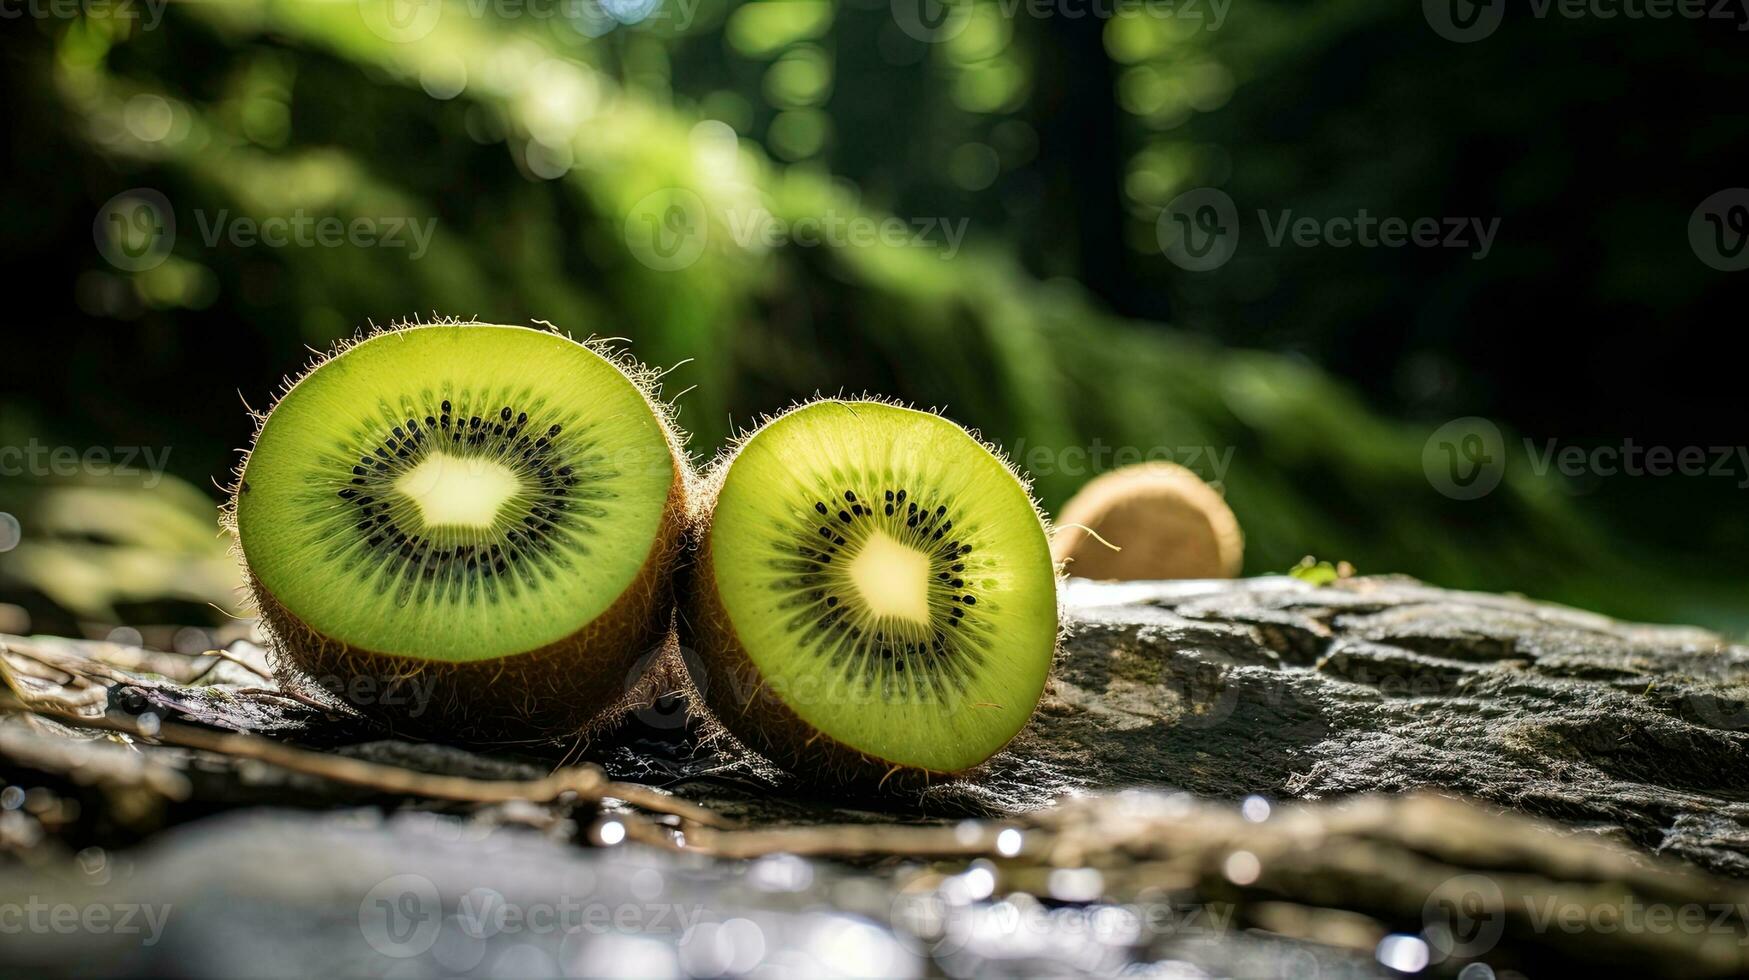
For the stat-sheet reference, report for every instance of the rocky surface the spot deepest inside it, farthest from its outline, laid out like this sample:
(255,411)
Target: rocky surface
(1636,732)
(1254,778)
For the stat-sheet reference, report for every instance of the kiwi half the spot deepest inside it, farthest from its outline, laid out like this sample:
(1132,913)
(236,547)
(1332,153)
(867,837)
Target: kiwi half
(1153,520)
(465,529)
(873,594)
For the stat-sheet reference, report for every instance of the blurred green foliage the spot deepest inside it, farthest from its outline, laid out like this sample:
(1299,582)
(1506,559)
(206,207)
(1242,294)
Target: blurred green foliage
(547,156)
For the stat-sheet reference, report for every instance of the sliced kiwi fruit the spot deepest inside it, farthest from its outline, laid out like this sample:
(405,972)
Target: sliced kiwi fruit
(465,529)
(873,594)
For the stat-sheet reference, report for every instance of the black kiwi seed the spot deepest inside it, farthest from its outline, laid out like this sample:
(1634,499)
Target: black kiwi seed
(942,658)
(556,471)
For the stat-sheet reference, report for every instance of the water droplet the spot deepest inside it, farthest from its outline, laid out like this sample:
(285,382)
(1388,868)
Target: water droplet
(1242,867)
(1255,809)
(1405,954)
(610,832)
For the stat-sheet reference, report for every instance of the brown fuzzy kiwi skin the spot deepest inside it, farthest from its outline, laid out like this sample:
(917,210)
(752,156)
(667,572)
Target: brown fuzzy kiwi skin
(582,683)
(1154,520)
(579,684)
(731,683)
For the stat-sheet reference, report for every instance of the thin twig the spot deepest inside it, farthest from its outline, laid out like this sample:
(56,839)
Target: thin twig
(587,781)
(293,696)
(239,661)
(851,840)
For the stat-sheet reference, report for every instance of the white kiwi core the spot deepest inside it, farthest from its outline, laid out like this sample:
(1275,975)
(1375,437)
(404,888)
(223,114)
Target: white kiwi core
(892,579)
(453,491)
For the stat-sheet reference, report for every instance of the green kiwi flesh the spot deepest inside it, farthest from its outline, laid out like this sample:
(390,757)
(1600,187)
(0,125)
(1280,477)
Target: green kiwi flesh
(874,594)
(466,529)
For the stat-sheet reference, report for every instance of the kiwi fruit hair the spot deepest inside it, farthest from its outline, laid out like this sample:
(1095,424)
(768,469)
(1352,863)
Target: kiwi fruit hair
(466,530)
(872,596)
(1153,520)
